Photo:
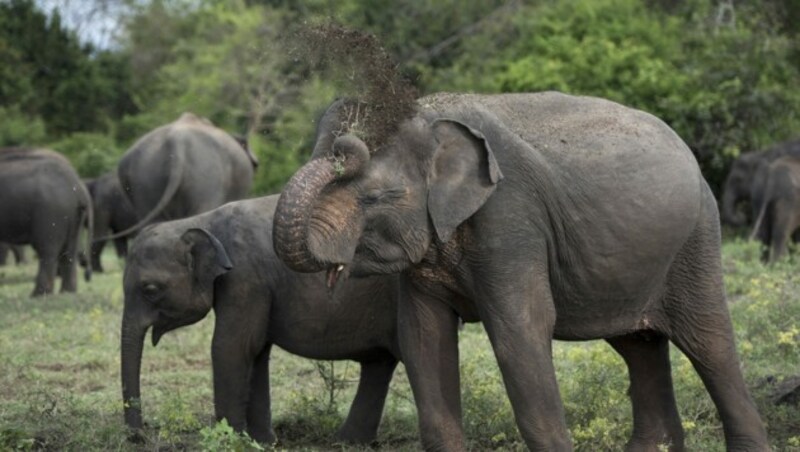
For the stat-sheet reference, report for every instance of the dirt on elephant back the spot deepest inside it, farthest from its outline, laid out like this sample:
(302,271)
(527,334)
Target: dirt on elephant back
(368,75)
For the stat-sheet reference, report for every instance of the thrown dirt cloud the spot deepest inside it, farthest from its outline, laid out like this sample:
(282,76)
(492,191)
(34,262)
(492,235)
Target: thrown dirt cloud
(368,75)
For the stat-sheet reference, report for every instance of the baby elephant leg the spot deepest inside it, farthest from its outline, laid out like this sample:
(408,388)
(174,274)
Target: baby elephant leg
(365,414)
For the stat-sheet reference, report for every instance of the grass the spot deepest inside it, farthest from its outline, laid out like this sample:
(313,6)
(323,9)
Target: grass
(60,389)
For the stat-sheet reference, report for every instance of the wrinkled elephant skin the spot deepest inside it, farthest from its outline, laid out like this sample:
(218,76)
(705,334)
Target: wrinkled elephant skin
(543,216)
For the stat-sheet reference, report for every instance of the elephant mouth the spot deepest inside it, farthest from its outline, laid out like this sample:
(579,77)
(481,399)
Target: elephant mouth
(335,272)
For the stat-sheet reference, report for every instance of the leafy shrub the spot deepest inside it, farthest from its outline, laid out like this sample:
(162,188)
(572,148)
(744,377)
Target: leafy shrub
(17,128)
(222,437)
(92,154)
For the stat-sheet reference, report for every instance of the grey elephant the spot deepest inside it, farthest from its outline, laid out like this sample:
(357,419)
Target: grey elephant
(779,215)
(544,216)
(745,182)
(181,169)
(112,213)
(44,204)
(17,250)
(177,271)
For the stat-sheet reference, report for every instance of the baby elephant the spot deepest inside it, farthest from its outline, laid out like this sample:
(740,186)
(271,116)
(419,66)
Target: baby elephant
(179,270)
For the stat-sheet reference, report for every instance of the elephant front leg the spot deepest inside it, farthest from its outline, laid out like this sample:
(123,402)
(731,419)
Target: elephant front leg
(365,414)
(259,411)
(519,317)
(427,330)
(233,361)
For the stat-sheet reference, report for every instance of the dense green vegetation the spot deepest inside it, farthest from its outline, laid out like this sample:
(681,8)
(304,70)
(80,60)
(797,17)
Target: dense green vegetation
(60,390)
(724,75)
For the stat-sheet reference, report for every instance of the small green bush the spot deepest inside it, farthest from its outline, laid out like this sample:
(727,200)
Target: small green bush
(92,154)
(17,128)
(222,437)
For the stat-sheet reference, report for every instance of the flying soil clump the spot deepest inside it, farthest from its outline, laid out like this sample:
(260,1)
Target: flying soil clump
(382,97)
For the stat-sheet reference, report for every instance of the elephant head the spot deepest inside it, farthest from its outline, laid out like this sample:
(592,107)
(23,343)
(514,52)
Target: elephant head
(168,283)
(359,211)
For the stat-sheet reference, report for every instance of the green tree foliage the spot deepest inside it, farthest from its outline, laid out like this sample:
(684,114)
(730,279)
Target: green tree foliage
(48,73)
(726,84)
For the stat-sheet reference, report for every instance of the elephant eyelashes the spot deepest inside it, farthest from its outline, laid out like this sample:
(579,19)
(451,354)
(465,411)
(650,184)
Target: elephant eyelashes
(375,196)
(371,197)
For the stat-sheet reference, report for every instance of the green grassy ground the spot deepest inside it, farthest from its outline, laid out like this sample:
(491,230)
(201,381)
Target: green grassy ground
(60,390)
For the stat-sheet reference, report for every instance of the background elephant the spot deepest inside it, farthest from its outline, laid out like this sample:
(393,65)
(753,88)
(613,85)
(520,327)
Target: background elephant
(543,216)
(182,169)
(177,271)
(112,213)
(745,182)
(17,250)
(44,204)
(779,213)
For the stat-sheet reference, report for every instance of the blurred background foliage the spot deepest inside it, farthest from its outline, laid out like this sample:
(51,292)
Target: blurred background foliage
(724,74)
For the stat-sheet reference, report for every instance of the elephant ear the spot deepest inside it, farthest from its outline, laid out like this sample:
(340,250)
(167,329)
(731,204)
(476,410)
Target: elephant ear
(464,174)
(205,255)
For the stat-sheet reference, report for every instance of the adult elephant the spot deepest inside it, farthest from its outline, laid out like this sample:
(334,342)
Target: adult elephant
(17,250)
(745,182)
(182,169)
(178,270)
(779,214)
(543,216)
(44,204)
(112,213)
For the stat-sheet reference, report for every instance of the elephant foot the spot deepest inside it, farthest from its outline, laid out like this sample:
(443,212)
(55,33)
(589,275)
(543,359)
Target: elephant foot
(265,436)
(351,435)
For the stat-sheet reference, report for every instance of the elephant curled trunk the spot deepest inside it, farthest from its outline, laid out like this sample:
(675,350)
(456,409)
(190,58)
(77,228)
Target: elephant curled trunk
(294,214)
(132,342)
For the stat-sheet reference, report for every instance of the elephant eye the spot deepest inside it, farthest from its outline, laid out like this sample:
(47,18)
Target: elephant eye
(371,197)
(151,291)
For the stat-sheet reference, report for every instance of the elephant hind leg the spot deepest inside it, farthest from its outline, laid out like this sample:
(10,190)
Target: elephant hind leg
(365,414)
(655,415)
(67,263)
(699,324)
(46,276)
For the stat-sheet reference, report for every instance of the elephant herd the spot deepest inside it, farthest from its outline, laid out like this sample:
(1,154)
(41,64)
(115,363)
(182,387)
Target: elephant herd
(544,216)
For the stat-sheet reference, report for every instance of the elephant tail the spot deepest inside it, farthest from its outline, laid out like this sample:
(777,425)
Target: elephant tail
(173,183)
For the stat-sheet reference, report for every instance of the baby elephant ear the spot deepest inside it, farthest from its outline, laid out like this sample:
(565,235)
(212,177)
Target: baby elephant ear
(464,174)
(206,257)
